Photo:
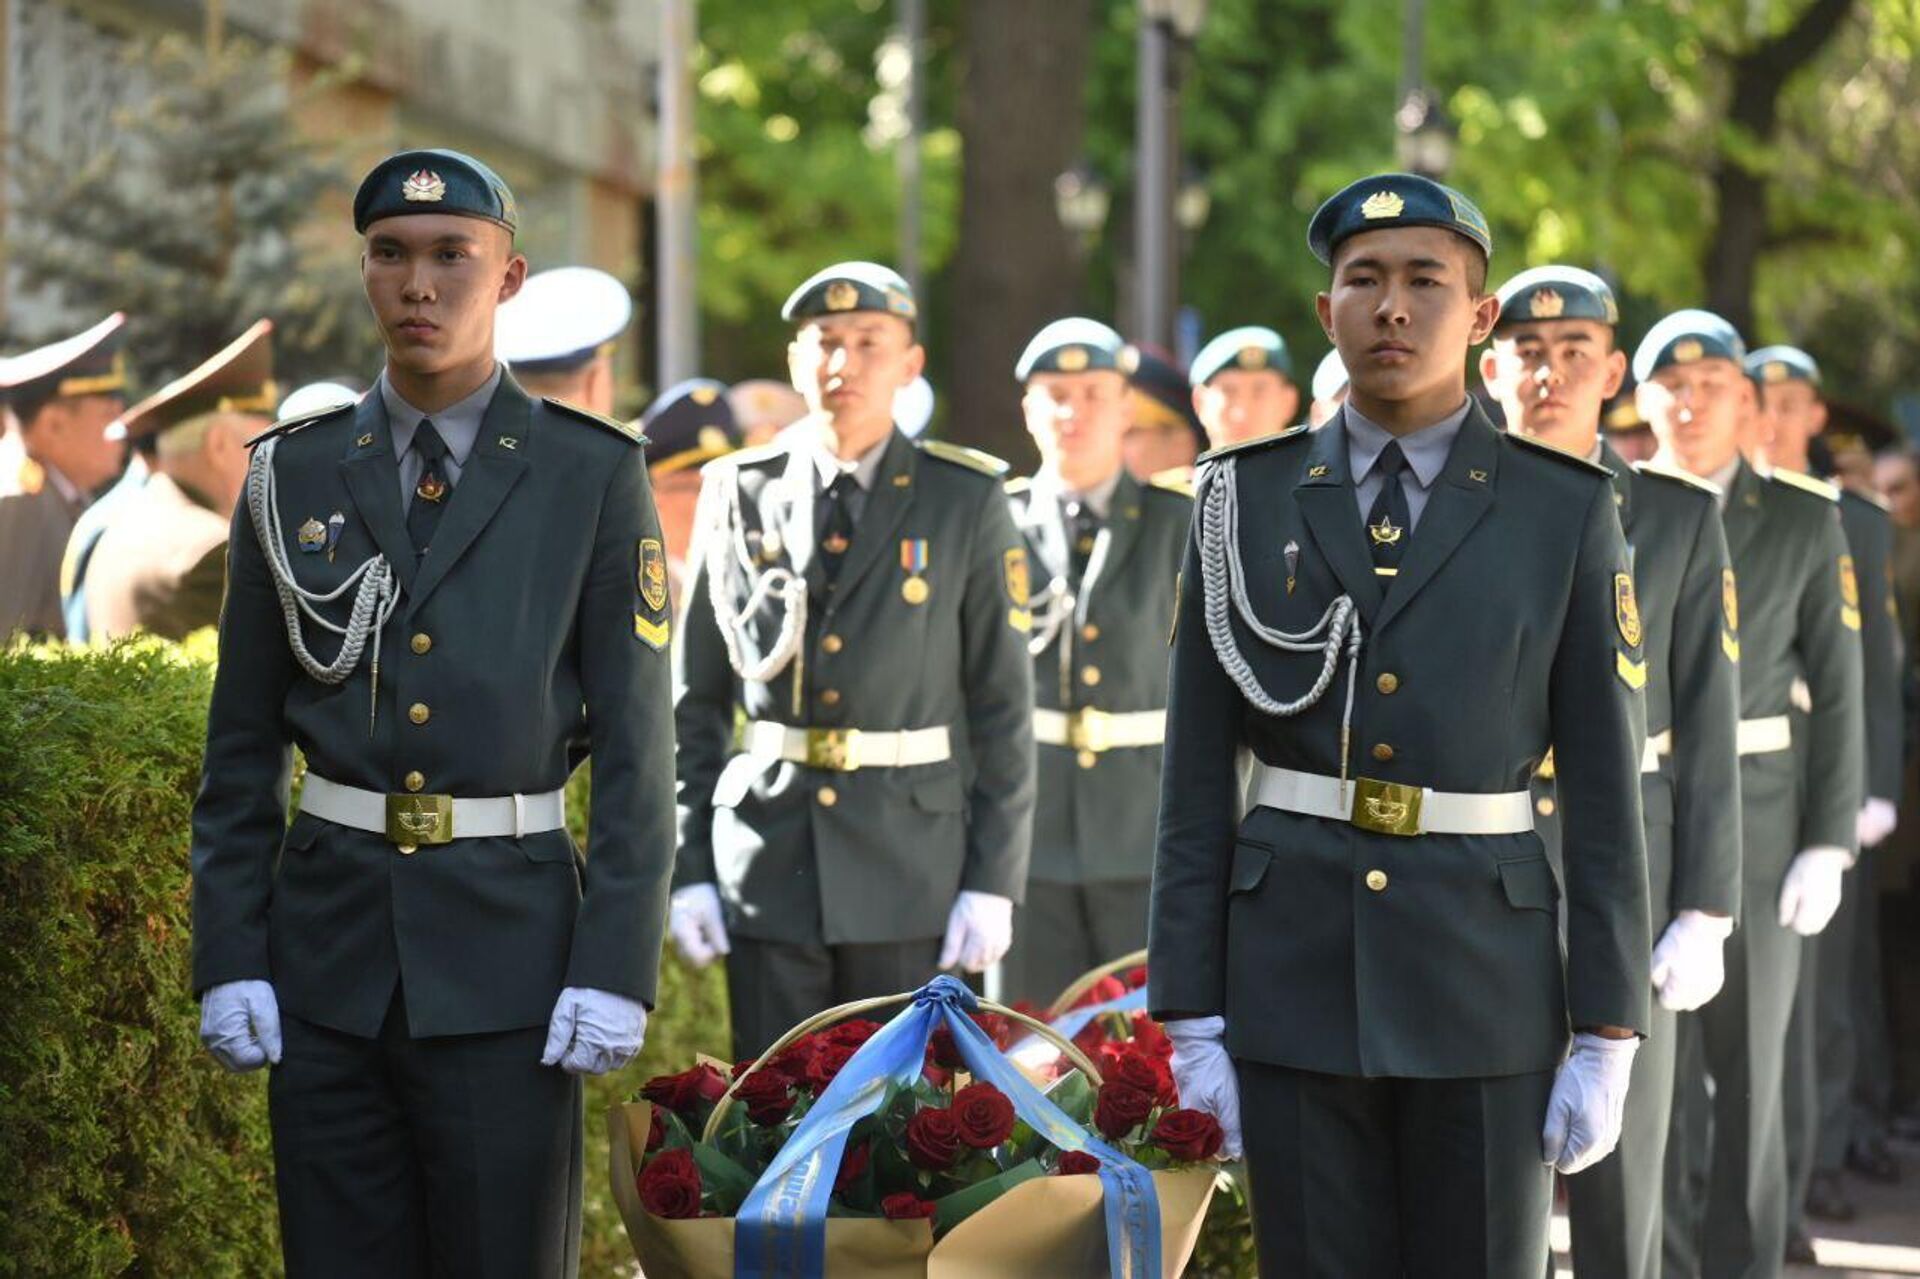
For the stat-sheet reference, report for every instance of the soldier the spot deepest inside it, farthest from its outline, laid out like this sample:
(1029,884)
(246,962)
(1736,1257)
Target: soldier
(764,408)
(1794,579)
(1368,968)
(1820,1043)
(434,593)
(65,400)
(1105,550)
(859,603)
(160,563)
(557,335)
(1243,386)
(1626,432)
(1329,388)
(85,538)
(686,427)
(1552,366)
(1165,436)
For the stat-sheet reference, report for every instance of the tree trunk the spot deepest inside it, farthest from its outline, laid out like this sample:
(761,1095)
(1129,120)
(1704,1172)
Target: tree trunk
(1758,78)
(1022,119)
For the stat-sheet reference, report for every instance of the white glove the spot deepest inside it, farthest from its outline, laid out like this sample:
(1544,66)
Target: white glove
(593,1031)
(979,930)
(1688,966)
(1589,1102)
(1877,819)
(1811,891)
(1203,1073)
(698,925)
(240,1024)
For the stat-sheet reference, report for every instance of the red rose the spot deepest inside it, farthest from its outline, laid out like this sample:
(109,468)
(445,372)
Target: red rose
(933,1140)
(1075,1162)
(984,1115)
(855,1032)
(1001,1030)
(942,1050)
(656,1128)
(1150,1039)
(1136,978)
(670,1185)
(767,1096)
(1188,1135)
(793,1060)
(905,1206)
(935,1075)
(680,1093)
(1150,1075)
(1091,1036)
(826,1063)
(852,1164)
(1119,1109)
(742,1067)
(1106,988)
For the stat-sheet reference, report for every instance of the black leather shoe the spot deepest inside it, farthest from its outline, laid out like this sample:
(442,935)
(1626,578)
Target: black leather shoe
(1872,1160)
(1827,1198)
(1800,1250)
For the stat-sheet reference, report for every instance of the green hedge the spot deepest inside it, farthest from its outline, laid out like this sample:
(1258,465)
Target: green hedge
(123,1148)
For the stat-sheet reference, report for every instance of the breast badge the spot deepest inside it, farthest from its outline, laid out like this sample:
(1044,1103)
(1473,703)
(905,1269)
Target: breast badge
(1626,610)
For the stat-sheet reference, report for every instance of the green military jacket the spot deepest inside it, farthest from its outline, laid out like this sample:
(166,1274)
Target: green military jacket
(1869,534)
(1685,587)
(924,627)
(1799,618)
(1509,630)
(1102,650)
(533,624)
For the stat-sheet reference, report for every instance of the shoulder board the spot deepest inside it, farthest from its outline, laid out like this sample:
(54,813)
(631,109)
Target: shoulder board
(1018,484)
(1265,441)
(287,426)
(625,430)
(1807,484)
(1557,454)
(960,455)
(1874,500)
(1677,476)
(1178,479)
(768,452)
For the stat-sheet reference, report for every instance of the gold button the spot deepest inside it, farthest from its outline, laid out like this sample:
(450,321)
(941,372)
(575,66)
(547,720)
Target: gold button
(1543,806)
(1087,759)
(829,697)
(1382,752)
(407,850)
(422,642)
(833,643)
(1089,632)
(1388,682)
(419,713)
(827,796)
(1090,675)
(415,780)
(1377,880)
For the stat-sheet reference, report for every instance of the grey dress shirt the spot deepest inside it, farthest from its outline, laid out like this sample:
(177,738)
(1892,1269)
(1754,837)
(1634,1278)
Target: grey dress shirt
(458,425)
(1426,450)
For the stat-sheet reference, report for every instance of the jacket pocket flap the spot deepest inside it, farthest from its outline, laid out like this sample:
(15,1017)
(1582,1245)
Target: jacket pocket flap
(1528,883)
(1249,866)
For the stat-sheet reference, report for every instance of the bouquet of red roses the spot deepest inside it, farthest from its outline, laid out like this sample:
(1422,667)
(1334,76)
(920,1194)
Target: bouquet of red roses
(864,1149)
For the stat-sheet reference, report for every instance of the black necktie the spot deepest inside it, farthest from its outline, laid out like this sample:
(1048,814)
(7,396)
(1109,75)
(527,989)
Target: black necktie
(1389,526)
(431,490)
(1083,529)
(836,531)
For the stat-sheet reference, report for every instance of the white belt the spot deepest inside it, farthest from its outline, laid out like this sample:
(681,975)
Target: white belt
(1090,730)
(1390,808)
(845,749)
(1658,745)
(1764,736)
(412,820)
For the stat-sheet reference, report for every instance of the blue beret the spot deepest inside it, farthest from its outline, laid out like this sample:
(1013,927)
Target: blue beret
(560,319)
(1251,349)
(1394,200)
(1330,378)
(851,286)
(688,424)
(1684,337)
(433,181)
(1557,293)
(1073,345)
(1771,364)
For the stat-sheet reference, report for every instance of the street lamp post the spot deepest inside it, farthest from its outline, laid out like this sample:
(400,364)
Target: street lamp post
(677,302)
(1166,28)
(1423,136)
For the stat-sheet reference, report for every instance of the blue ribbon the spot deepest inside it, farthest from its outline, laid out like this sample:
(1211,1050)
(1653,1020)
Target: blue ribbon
(781,1229)
(1074,1021)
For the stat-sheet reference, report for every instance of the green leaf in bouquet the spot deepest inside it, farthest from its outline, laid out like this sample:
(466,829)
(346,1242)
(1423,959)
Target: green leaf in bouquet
(892,1171)
(950,1210)
(725,1181)
(1074,1095)
(677,1138)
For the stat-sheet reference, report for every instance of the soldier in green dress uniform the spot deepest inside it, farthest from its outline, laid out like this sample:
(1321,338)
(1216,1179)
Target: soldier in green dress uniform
(1243,386)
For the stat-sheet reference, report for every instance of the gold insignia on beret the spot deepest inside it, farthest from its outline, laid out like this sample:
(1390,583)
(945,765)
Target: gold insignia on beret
(713,440)
(1546,304)
(653,573)
(1253,357)
(1382,204)
(1687,350)
(1071,359)
(703,395)
(423,186)
(1626,609)
(842,296)
(1774,371)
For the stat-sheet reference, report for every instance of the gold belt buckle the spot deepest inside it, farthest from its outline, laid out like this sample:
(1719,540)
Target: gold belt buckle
(1386,808)
(1089,730)
(833,749)
(413,820)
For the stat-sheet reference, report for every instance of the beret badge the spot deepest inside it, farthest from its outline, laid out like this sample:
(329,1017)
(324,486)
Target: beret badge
(1071,359)
(1687,350)
(1546,304)
(1774,371)
(842,296)
(1253,357)
(1382,204)
(423,186)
